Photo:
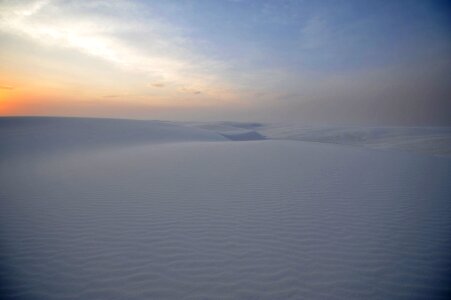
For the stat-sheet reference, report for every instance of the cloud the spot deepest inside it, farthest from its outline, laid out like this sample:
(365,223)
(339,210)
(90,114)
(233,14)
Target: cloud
(158,85)
(124,34)
(190,91)
(6,87)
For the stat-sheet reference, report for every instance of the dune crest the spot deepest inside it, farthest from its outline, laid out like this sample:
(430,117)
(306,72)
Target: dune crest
(27,136)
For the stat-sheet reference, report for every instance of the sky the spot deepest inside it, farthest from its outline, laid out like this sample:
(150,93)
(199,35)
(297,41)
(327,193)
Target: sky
(314,62)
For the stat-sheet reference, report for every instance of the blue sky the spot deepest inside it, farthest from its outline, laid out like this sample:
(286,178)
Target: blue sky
(316,61)
(318,35)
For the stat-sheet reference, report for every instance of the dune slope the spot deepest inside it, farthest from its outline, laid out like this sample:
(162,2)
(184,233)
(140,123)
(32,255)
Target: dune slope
(225,220)
(426,140)
(26,136)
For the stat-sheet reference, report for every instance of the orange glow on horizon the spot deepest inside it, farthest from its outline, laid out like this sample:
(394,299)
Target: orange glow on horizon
(24,96)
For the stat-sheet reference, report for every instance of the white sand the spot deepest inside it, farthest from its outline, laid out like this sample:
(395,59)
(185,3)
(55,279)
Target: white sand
(181,213)
(426,140)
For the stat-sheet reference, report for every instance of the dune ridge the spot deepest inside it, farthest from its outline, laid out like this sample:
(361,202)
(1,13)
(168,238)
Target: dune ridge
(427,140)
(27,136)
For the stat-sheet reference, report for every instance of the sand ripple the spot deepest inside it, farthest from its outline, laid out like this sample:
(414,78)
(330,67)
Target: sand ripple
(226,220)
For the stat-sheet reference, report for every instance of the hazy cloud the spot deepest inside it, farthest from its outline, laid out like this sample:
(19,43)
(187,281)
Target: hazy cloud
(190,91)
(104,33)
(158,85)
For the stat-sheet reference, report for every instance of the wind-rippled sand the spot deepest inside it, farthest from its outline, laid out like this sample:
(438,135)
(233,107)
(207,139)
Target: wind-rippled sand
(225,220)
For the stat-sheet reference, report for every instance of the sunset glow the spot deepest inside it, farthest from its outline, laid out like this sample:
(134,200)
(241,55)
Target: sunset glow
(219,59)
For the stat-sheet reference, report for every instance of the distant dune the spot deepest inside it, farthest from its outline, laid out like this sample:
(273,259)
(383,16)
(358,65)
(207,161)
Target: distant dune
(118,209)
(27,135)
(426,140)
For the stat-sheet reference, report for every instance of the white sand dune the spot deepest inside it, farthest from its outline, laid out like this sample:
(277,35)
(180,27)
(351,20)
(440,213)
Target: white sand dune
(265,219)
(39,135)
(426,140)
(235,131)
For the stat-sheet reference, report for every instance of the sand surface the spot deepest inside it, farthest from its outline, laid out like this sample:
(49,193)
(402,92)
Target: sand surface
(190,215)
